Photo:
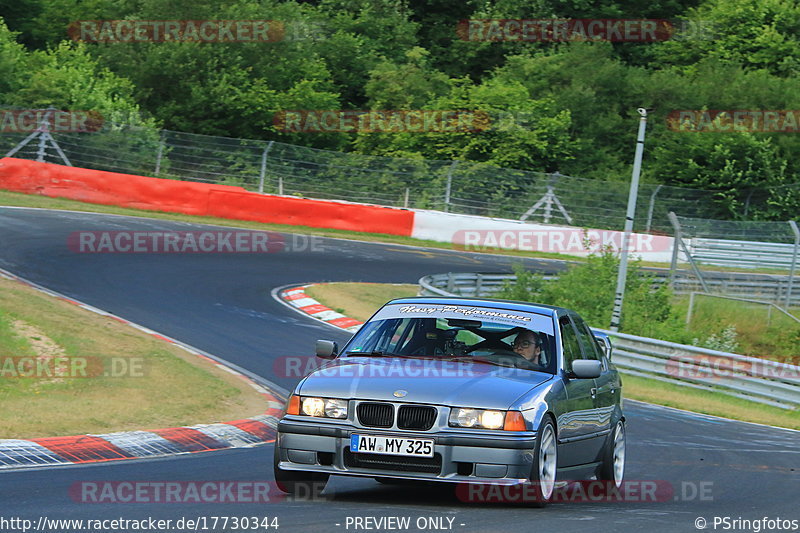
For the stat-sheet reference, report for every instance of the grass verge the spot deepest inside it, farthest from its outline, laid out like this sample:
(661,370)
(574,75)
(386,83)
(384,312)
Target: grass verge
(360,300)
(117,378)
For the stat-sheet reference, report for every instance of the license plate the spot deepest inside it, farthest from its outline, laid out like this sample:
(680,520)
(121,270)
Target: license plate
(391,445)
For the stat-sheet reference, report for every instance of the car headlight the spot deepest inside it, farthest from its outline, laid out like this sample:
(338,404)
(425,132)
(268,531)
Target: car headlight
(487,419)
(323,407)
(492,419)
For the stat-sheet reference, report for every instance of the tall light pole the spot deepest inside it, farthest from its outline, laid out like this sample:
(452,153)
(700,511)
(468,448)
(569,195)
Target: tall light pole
(622,275)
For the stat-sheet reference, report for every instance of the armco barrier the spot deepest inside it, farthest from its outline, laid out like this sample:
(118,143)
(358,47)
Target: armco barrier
(469,232)
(758,380)
(768,287)
(172,196)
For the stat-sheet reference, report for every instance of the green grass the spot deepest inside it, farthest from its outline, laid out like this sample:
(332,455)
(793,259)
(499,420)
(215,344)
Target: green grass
(759,332)
(359,300)
(167,387)
(706,402)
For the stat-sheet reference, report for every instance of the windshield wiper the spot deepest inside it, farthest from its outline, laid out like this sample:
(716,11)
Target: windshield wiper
(479,360)
(368,354)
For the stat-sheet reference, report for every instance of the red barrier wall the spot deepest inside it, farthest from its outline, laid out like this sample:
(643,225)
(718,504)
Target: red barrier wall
(139,192)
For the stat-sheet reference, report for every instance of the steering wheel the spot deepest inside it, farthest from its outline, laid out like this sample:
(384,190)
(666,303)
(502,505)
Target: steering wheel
(490,345)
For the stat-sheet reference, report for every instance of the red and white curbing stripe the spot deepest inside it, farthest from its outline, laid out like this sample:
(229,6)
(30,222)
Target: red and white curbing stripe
(297,298)
(50,451)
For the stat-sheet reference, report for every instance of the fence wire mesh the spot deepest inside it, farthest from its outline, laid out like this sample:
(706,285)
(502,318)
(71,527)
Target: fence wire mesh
(279,168)
(706,245)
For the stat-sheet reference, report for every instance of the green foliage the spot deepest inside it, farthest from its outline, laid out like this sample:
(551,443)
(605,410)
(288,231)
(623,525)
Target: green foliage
(724,342)
(578,99)
(588,288)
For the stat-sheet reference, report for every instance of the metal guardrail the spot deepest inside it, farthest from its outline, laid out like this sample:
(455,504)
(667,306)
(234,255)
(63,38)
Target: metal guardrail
(758,380)
(485,284)
(743,254)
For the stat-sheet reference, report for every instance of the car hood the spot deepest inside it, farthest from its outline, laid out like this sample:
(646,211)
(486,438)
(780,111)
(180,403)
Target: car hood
(428,381)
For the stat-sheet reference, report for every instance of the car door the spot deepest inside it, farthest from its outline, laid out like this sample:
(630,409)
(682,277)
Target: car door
(607,384)
(578,422)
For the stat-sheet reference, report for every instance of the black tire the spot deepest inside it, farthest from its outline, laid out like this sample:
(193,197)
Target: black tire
(305,484)
(545,461)
(612,467)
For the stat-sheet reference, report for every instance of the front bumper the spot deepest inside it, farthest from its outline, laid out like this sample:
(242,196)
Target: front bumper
(459,456)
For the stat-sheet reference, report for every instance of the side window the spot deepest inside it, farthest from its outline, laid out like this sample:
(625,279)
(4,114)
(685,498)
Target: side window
(588,343)
(572,349)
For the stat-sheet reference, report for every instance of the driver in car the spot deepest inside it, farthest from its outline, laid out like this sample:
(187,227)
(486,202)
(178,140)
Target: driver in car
(529,345)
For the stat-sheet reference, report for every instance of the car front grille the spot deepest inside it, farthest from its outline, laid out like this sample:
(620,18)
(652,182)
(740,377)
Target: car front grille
(416,417)
(426,465)
(376,415)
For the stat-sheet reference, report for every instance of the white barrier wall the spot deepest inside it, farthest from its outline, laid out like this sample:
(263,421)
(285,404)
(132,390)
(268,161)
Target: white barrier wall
(479,233)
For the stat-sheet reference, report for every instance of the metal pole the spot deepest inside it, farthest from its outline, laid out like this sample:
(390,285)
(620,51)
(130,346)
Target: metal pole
(548,205)
(280,185)
(691,306)
(44,129)
(796,232)
(622,275)
(161,143)
(405,200)
(449,187)
(264,167)
(673,267)
(650,209)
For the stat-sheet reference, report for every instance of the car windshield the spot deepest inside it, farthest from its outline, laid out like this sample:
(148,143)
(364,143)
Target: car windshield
(511,339)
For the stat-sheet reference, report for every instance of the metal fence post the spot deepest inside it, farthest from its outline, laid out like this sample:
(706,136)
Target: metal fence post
(42,150)
(673,267)
(674,219)
(162,141)
(796,232)
(650,209)
(691,307)
(405,200)
(264,167)
(449,187)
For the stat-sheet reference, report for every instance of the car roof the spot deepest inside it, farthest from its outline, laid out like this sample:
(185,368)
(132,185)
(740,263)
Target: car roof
(514,305)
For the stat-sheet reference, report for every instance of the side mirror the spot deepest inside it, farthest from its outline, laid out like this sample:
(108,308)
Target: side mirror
(586,368)
(327,349)
(605,344)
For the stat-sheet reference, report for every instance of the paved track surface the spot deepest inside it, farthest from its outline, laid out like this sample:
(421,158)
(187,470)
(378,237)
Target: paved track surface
(221,303)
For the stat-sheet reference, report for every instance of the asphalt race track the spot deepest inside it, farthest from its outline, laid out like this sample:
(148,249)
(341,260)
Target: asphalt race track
(221,303)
